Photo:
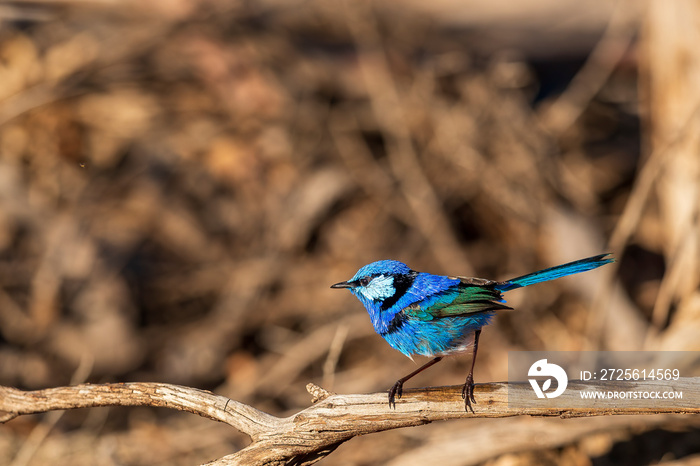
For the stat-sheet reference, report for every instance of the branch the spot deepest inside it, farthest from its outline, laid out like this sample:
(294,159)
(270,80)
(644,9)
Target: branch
(313,433)
(206,404)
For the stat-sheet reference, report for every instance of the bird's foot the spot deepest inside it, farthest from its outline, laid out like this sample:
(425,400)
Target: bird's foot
(468,393)
(396,390)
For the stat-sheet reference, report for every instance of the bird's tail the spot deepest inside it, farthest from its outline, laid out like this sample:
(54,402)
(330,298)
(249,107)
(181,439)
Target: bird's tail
(551,273)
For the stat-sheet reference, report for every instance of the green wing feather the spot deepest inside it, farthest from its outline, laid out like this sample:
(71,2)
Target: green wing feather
(467,298)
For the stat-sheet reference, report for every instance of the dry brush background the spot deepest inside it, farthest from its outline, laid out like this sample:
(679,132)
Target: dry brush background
(180,183)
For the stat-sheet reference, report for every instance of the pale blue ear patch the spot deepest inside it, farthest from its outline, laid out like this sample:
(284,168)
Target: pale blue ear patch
(379,288)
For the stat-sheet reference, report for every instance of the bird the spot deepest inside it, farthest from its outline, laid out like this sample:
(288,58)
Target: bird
(430,315)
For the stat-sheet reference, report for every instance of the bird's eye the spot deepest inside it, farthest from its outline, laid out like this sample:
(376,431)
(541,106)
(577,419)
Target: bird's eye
(364,281)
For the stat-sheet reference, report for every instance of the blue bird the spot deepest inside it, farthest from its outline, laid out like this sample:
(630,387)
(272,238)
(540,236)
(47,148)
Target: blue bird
(434,315)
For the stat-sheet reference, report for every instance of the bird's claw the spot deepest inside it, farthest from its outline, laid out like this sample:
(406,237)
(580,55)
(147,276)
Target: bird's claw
(468,394)
(396,390)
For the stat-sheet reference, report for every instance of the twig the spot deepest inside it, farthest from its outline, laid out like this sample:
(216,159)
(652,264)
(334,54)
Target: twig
(388,108)
(334,351)
(313,433)
(201,402)
(42,430)
(607,54)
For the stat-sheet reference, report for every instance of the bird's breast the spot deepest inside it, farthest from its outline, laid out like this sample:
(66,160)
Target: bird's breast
(440,337)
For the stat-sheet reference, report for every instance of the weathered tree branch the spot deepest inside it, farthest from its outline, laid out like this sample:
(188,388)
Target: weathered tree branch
(206,404)
(313,433)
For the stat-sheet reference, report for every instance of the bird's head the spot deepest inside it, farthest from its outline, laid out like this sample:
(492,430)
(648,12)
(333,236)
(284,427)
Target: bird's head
(379,283)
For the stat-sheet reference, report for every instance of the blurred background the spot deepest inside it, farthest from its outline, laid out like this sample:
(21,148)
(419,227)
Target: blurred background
(182,180)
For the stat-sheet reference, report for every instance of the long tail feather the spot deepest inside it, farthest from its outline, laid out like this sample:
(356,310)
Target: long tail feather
(551,273)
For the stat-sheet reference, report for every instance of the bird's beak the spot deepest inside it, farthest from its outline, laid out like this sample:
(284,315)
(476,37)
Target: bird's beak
(343,285)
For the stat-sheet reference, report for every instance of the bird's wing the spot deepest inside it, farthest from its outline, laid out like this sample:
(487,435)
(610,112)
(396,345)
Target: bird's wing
(470,296)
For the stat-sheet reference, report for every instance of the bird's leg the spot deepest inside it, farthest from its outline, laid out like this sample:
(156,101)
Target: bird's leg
(468,389)
(397,389)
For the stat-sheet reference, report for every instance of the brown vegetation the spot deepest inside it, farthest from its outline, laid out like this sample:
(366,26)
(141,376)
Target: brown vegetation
(181,182)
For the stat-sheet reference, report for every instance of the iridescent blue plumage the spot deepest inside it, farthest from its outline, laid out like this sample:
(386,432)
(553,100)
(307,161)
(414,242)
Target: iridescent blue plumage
(435,315)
